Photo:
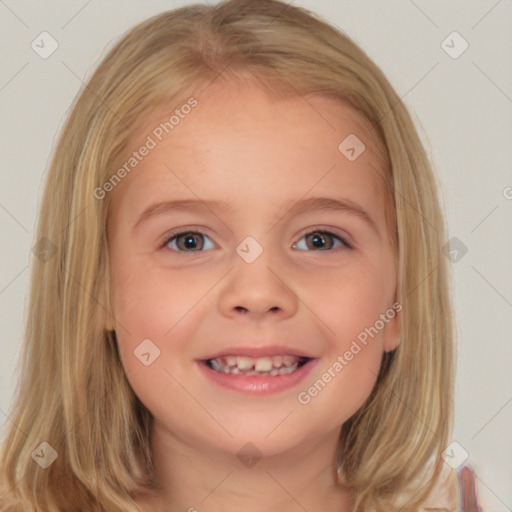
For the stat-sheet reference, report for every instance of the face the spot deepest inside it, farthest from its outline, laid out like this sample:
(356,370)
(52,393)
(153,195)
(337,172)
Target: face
(254,274)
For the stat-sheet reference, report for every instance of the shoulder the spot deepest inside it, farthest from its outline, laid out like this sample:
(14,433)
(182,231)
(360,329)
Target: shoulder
(443,497)
(445,494)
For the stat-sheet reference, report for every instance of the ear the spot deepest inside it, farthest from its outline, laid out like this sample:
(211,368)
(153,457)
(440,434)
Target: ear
(110,324)
(109,318)
(392,331)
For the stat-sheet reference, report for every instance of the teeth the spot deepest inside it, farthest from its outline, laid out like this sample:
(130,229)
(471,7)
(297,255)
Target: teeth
(243,363)
(288,360)
(215,364)
(231,361)
(270,365)
(264,364)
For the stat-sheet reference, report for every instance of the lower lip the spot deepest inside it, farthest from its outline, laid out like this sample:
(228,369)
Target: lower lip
(257,384)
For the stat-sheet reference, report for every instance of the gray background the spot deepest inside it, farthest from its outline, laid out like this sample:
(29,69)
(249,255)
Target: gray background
(462,106)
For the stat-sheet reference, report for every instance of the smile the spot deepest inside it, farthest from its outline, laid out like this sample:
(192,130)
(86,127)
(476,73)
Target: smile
(256,375)
(272,365)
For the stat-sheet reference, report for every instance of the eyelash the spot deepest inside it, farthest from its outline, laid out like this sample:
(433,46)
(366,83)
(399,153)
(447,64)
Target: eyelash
(174,235)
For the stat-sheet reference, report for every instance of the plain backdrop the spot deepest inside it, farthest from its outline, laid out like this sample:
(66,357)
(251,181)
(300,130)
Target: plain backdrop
(462,105)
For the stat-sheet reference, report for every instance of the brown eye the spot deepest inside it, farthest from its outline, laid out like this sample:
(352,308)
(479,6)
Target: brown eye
(186,241)
(319,240)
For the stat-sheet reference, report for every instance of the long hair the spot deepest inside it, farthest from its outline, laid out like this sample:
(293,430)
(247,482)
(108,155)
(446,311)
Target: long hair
(73,393)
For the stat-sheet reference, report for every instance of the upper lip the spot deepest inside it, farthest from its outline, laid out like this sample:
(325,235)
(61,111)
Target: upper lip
(261,351)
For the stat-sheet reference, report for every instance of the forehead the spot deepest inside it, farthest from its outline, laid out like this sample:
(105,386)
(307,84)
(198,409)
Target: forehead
(237,139)
(234,109)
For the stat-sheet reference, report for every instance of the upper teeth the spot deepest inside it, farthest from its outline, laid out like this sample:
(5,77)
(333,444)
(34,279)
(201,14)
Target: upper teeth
(259,364)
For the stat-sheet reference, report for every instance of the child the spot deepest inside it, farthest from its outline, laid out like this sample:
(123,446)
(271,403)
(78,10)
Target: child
(251,366)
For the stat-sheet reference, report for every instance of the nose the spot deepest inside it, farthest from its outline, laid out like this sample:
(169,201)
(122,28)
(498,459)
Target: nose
(258,288)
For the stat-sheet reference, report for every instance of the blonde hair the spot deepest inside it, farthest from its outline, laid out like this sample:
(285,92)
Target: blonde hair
(73,392)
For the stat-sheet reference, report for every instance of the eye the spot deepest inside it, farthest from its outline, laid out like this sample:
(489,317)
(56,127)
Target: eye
(319,239)
(186,241)
(193,241)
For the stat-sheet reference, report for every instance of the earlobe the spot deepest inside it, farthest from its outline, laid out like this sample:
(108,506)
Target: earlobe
(110,320)
(392,333)
(110,324)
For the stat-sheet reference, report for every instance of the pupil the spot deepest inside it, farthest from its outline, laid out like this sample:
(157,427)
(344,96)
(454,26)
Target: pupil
(318,238)
(190,241)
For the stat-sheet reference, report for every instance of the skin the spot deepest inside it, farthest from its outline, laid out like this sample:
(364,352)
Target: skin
(255,153)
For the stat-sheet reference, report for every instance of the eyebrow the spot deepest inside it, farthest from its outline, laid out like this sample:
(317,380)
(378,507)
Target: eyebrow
(292,207)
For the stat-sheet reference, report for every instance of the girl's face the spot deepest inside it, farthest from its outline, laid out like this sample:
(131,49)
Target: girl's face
(254,272)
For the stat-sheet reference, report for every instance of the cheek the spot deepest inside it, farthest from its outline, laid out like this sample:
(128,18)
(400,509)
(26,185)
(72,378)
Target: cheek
(154,310)
(351,308)
(153,303)
(347,302)
(348,309)
(152,298)
(337,396)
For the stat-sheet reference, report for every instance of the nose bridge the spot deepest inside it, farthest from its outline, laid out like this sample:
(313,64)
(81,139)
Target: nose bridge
(257,283)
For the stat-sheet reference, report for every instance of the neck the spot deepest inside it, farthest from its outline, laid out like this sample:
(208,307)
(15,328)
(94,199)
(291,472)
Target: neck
(194,478)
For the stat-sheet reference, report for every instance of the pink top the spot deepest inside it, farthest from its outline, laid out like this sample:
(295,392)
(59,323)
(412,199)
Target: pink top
(447,494)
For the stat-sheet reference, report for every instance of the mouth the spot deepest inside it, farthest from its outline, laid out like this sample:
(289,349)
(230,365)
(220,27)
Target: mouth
(254,366)
(256,370)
